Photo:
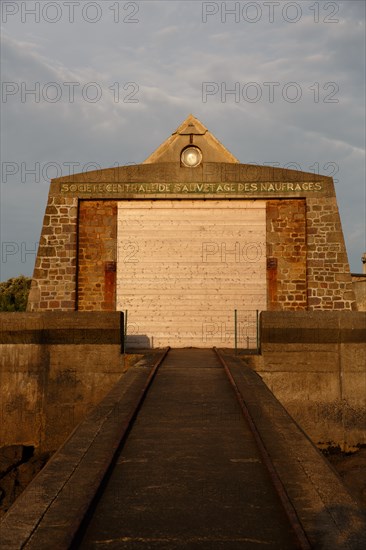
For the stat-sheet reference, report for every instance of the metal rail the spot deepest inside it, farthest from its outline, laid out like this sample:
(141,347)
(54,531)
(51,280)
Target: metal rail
(73,479)
(294,521)
(82,508)
(126,428)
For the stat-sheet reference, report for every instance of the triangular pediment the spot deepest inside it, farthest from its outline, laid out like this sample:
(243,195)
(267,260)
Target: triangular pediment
(191,132)
(191,125)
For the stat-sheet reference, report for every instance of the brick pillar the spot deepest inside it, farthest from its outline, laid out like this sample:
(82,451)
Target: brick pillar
(97,255)
(286,255)
(54,277)
(328,272)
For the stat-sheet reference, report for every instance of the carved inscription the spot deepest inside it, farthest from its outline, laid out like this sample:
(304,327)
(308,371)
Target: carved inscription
(251,188)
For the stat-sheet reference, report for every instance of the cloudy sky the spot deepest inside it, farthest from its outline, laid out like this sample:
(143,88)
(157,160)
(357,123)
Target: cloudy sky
(88,84)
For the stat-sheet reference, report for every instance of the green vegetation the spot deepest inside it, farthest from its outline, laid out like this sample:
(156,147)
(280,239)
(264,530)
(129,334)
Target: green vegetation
(14,293)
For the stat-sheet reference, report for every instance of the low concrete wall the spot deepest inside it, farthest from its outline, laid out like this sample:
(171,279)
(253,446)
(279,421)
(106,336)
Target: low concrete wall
(359,286)
(314,362)
(54,367)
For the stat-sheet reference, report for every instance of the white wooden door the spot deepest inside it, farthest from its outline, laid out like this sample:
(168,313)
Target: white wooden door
(184,266)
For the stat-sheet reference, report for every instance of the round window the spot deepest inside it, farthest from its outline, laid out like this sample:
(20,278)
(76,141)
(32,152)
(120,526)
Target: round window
(191,157)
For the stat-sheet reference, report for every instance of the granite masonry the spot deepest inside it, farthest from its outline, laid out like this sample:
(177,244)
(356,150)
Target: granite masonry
(79,256)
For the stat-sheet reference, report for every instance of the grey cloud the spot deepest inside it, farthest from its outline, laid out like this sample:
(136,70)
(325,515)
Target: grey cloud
(169,53)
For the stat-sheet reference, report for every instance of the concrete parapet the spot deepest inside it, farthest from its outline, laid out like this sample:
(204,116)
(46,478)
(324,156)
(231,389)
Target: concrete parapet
(54,367)
(314,362)
(67,485)
(359,286)
(57,327)
(312,327)
(327,512)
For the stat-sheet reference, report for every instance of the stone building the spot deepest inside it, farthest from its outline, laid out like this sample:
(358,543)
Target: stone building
(189,236)
(359,285)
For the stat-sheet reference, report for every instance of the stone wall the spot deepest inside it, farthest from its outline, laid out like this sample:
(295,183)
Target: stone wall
(54,367)
(54,277)
(286,255)
(316,238)
(314,362)
(97,256)
(328,273)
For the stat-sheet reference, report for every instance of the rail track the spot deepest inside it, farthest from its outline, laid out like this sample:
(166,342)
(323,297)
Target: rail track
(110,523)
(192,452)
